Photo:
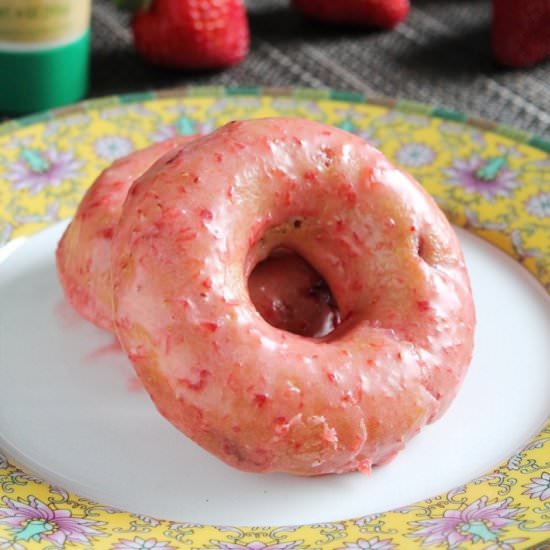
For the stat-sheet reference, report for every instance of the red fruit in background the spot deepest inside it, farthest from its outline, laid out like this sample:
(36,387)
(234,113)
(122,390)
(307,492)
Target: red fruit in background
(371,13)
(521,31)
(192,34)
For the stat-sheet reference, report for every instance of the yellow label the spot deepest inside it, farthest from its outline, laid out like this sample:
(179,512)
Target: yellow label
(36,21)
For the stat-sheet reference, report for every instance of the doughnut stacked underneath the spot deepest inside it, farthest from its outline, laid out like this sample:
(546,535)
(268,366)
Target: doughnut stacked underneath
(84,253)
(197,249)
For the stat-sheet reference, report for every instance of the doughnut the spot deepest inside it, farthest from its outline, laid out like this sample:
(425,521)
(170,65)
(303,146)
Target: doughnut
(262,399)
(84,252)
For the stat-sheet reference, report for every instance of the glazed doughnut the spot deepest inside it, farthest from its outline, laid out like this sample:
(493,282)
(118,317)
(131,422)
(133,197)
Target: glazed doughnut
(84,252)
(263,399)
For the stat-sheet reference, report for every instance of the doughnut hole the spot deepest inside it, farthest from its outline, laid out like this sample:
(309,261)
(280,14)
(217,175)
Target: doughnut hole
(292,296)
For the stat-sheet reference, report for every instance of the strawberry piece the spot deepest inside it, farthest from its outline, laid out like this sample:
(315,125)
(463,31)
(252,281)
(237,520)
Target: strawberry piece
(384,14)
(521,31)
(192,34)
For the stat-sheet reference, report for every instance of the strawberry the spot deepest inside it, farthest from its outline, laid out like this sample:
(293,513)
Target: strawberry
(191,34)
(521,31)
(384,14)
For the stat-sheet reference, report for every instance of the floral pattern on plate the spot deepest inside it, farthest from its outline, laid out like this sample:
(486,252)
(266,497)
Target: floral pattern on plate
(492,180)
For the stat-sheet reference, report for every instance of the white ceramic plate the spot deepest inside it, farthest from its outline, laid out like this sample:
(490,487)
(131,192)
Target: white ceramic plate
(73,412)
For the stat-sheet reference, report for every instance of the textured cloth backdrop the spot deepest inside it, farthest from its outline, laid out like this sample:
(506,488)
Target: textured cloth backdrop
(440,55)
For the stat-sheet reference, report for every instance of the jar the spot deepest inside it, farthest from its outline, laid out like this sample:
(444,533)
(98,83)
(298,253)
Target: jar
(44,53)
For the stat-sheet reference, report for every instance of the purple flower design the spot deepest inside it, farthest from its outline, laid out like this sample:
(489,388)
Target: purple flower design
(257,545)
(539,487)
(370,544)
(141,544)
(415,155)
(36,169)
(539,205)
(36,521)
(113,147)
(488,177)
(480,521)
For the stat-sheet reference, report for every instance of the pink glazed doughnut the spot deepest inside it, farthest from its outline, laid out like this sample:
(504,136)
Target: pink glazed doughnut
(264,399)
(84,252)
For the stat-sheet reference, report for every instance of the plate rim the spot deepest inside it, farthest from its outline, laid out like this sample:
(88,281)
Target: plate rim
(273,536)
(401,105)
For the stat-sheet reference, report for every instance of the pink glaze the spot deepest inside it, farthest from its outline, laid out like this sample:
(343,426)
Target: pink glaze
(260,398)
(84,252)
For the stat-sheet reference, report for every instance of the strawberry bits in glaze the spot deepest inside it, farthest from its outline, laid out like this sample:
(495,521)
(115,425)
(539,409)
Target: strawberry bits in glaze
(290,300)
(380,350)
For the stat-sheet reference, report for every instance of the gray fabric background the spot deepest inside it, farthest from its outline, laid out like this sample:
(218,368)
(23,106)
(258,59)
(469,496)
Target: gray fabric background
(440,55)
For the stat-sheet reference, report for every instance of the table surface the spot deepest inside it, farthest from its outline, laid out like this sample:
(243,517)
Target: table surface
(440,55)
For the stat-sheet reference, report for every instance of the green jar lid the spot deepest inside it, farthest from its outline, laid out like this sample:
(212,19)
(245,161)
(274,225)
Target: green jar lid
(39,79)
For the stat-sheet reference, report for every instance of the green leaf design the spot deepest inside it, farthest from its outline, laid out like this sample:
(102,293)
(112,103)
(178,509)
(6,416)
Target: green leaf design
(185,126)
(35,160)
(491,168)
(347,125)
